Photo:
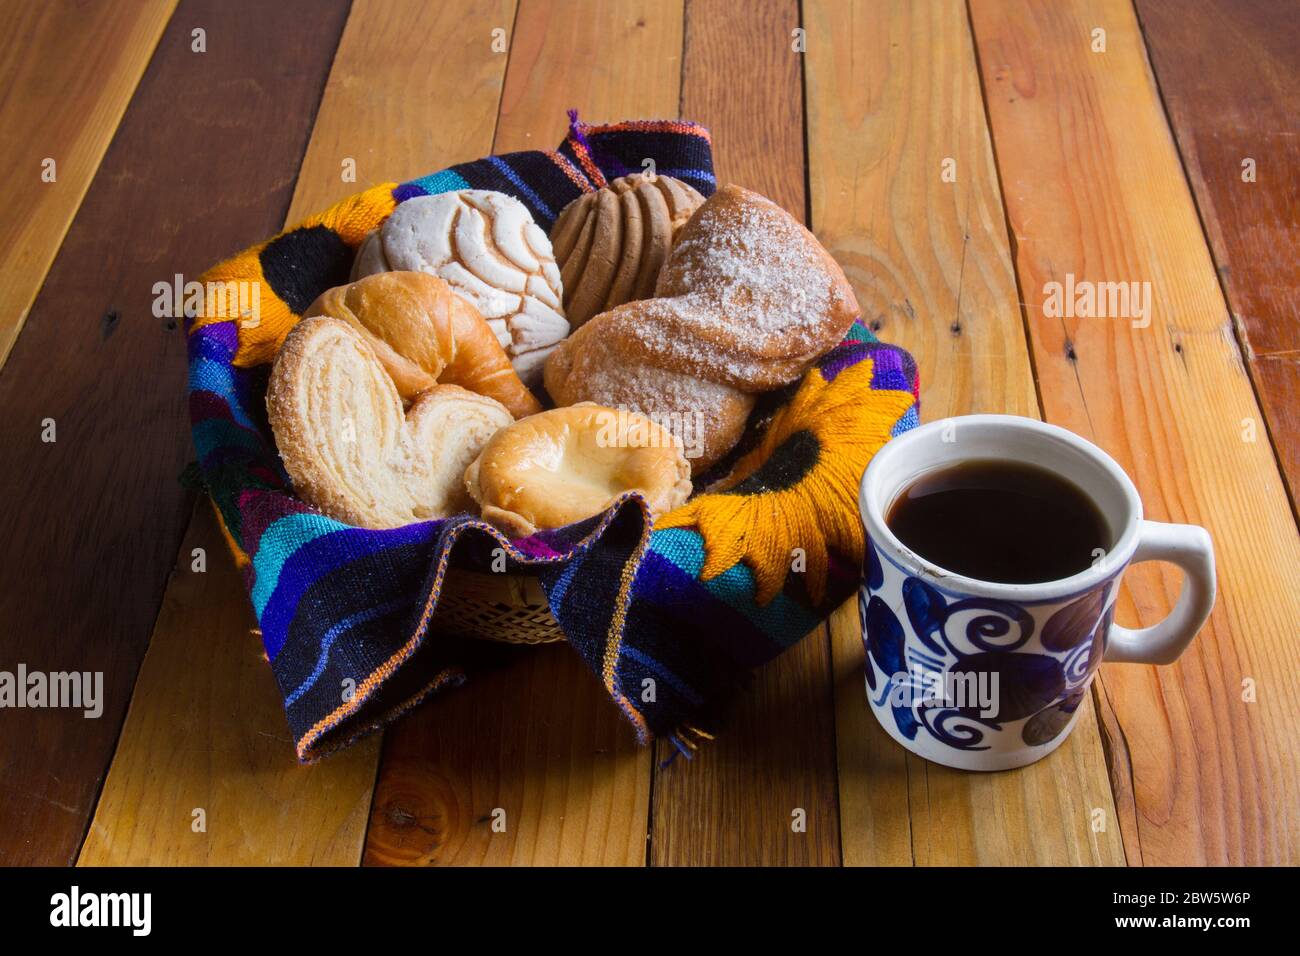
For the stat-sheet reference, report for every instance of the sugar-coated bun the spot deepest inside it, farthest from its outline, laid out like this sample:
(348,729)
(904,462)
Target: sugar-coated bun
(747,301)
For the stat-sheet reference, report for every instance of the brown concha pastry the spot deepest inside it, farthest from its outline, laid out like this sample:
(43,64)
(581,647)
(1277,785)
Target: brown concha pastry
(611,243)
(348,445)
(567,464)
(746,303)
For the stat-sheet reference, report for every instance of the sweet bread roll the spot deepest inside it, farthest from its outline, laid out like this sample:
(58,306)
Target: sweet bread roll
(746,302)
(567,464)
(611,243)
(486,245)
(348,446)
(425,334)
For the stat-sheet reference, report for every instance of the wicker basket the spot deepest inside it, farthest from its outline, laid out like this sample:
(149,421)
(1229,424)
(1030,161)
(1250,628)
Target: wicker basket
(496,607)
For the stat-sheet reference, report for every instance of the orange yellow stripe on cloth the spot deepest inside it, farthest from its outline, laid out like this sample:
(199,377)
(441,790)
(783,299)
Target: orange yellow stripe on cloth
(795,496)
(262,331)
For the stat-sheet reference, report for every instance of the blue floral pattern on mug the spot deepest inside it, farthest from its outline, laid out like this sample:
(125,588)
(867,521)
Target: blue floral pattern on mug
(976,673)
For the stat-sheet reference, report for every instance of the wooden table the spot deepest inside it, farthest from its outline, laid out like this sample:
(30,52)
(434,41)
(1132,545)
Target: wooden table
(955,159)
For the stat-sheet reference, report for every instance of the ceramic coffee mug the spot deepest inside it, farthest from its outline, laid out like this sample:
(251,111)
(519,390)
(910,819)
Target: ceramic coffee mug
(986,676)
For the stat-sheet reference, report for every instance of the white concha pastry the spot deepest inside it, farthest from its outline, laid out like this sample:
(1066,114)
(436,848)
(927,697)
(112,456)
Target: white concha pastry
(347,444)
(487,247)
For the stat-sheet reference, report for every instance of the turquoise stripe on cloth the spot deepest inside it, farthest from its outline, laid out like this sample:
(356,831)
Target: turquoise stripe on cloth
(735,586)
(279,541)
(445,181)
(682,546)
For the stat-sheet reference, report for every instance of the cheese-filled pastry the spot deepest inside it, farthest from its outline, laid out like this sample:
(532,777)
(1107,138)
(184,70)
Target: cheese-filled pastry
(567,464)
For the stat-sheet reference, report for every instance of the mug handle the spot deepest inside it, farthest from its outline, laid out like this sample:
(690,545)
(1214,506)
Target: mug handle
(1189,547)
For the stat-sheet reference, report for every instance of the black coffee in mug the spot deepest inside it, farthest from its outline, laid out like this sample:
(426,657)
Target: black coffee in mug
(1002,521)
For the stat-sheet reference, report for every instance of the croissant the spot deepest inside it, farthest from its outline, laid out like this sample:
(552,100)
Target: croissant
(349,447)
(746,302)
(425,334)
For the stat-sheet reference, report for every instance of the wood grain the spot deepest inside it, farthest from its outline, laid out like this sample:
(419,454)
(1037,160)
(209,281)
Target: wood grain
(205,773)
(540,742)
(894,104)
(743,80)
(414,87)
(67,72)
(95,518)
(1093,187)
(733,804)
(1229,75)
(261,805)
(609,59)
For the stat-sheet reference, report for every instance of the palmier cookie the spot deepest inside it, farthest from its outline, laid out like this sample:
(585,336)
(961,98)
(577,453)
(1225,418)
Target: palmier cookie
(348,446)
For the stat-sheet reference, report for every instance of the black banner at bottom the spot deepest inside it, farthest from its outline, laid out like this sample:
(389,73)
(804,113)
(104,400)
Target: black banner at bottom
(341,906)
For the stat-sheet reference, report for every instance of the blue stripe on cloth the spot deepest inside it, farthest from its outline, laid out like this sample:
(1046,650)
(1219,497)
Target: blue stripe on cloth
(909,420)
(555,596)
(699,175)
(675,682)
(522,186)
(210,347)
(313,561)
(337,631)
(672,591)
(207,375)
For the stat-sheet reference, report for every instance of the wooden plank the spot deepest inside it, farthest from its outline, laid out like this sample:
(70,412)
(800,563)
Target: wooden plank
(67,72)
(541,741)
(1206,755)
(270,810)
(205,773)
(609,59)
(96,516)
(775,751)
(414,88)
(1229,74)
(894,104)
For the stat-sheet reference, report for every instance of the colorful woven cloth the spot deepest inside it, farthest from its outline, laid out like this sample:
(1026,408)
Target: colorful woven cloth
(669,619)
